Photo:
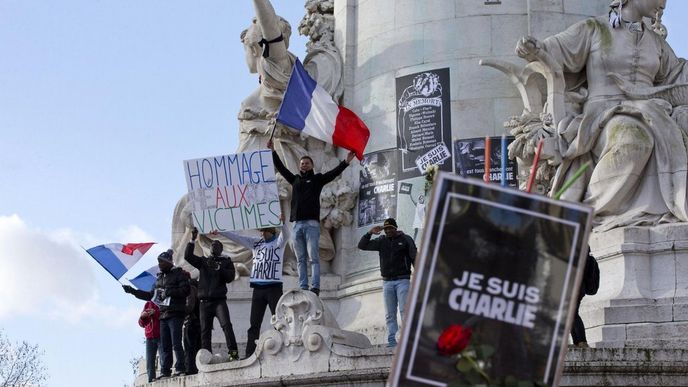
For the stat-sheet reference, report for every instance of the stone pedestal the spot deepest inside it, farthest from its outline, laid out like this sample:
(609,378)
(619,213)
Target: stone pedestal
(643,295)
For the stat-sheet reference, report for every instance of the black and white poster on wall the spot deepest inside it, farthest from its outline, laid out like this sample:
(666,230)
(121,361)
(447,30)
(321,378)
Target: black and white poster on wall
(469,159)
(423,122)
(494,290)
(377,197)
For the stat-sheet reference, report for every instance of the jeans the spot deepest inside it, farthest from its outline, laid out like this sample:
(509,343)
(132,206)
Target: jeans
(262,298)
(210,309)
(578,328)
(151,349)
(394,293)
(171,339)
(192,343)
(306,238)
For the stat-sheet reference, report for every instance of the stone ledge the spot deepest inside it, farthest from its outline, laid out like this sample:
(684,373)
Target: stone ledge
(625,367)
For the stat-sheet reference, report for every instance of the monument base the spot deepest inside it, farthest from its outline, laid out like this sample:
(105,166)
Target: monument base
(643,295)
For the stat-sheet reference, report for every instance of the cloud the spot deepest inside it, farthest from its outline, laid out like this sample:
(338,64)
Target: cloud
(47,273)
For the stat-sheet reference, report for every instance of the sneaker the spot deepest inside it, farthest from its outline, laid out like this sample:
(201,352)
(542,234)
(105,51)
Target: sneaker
(582,344)
(391,345)
(233,355)
(178,373)
(161,377)
(316,291)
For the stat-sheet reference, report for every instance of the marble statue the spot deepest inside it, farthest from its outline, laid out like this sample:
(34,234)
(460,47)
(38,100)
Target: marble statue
(266,43)
(616,97)
(304,338)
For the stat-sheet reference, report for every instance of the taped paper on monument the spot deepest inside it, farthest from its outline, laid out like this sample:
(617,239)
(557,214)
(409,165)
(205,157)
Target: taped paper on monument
(233,192)
(491,301)
(423,122)
(377,195)
(469,157)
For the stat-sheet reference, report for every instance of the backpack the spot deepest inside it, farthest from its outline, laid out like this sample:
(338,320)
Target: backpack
(591,276)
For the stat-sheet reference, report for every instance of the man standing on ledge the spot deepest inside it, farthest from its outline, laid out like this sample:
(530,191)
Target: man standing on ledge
(397,254)
(215,272)
(305,211)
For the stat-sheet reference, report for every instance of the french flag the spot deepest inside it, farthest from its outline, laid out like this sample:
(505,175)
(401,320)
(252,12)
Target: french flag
(146,279)
(308,108)
(117,258)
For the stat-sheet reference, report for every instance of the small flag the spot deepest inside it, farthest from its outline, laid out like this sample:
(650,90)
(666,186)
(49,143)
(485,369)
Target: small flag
(308,108)
(146,279)
(117,258)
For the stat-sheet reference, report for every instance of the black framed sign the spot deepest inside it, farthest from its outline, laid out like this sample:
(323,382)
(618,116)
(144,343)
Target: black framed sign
(491,299)
(423,122)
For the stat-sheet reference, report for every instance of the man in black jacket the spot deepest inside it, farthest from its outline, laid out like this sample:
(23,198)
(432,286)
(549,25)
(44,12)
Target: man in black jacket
(216,272)
(305,211)
(397,254)
(170,291)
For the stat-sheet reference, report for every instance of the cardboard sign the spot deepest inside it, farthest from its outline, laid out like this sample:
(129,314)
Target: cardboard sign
(491,301)
(233,192)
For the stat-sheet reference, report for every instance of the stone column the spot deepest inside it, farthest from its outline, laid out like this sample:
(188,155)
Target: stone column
(381,40)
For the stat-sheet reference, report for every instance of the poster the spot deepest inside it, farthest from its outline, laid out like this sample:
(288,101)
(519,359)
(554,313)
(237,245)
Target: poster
(423,122)
(491,299)
(411,207)
(469,157)
(377,198)
(233,192)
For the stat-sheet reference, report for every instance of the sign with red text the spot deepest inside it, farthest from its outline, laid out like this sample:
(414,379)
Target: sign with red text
(233,192)
(494,293)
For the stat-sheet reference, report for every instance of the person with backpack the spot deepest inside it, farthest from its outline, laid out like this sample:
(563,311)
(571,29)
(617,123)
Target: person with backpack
(216,271)
(589,286)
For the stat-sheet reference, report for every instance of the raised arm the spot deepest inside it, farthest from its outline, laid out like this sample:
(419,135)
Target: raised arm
(269,24)
(140,294)
(331,175)
(370,244)
(189,256)
(288,176)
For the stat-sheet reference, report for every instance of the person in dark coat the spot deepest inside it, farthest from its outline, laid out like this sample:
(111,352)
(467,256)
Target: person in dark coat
(305,212)
(216,271)
(169,293)
(397,253)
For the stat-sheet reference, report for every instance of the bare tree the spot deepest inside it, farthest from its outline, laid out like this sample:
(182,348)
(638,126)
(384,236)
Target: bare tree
(20,364)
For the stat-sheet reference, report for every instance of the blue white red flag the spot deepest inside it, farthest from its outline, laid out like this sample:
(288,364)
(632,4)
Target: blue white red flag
(117,258)
(308,108)
(146,279)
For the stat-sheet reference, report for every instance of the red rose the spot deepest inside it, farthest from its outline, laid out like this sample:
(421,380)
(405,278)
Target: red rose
(453,340)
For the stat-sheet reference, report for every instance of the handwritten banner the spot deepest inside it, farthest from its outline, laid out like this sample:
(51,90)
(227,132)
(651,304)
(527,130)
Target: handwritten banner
(233,192)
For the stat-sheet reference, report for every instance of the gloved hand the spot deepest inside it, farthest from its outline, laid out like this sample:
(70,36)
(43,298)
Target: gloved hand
(194,233)
(128,289)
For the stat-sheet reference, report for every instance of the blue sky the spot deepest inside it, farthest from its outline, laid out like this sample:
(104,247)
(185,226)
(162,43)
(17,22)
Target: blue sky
(100,102)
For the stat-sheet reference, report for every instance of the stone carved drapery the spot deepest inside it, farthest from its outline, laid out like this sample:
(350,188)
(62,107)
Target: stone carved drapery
(302,326)
(625,116)
(257,118)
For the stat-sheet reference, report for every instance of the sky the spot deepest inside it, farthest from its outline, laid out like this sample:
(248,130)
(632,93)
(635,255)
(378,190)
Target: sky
(100,102)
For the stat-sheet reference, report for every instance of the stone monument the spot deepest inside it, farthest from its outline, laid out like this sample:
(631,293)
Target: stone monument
(616,99)
(360,48)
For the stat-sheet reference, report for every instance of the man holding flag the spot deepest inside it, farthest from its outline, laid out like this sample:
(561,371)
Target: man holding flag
(305,211)
(171,289)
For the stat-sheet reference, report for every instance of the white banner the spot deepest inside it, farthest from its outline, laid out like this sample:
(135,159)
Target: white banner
(233,192)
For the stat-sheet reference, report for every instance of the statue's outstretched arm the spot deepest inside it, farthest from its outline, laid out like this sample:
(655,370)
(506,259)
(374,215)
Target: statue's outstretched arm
(269,24)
